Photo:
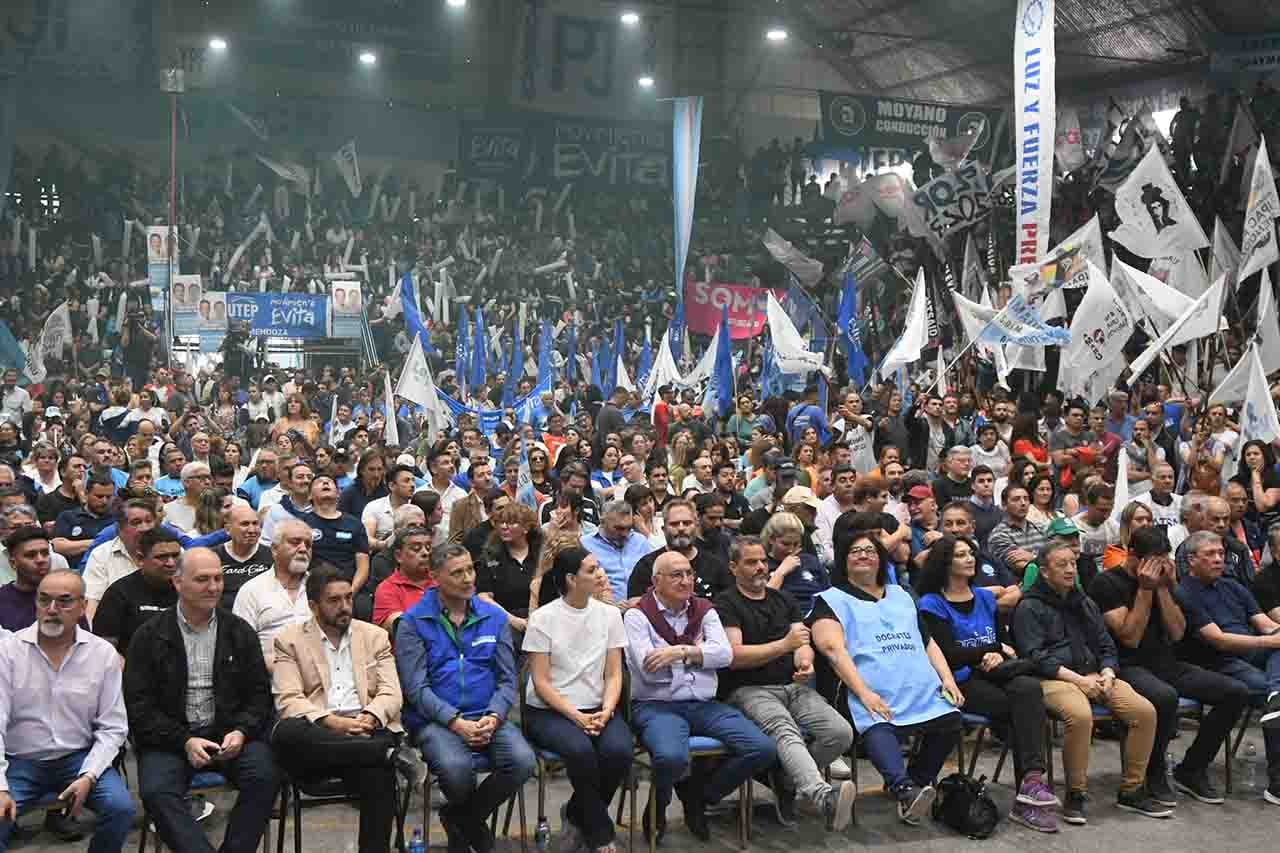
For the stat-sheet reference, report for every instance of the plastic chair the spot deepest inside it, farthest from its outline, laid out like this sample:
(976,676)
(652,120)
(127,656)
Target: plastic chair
(1257,702)
(481,764)
(203,782)
(982,724)
(699,748)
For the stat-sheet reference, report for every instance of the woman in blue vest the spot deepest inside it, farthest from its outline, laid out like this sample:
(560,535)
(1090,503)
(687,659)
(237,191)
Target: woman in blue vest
(896,677)
(963,622)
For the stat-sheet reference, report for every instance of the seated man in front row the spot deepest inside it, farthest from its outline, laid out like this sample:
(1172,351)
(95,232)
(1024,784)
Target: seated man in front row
(199,699)
(62,717)
(338,700)
(675,644)
(457,669)
(1231,635)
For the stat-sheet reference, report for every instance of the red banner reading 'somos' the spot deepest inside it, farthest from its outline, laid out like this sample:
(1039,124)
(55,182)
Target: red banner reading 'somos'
(704,299)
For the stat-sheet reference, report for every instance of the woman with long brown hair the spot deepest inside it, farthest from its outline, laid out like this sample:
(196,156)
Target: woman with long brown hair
(297,416)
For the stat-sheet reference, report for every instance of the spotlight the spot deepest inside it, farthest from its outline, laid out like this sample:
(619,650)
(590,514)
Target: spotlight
(217,43)
(368,57)
(776,34)
(645,81)
(457,4)
(630,18)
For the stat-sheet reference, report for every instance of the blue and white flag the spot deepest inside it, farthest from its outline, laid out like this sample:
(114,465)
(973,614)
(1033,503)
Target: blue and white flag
(850,331)
(614,353)
(724,367)
(412,319)
(677,331)
(1019,323)
(685,151)
(479,351)
(461,362)
(596,379)
(544,352)
(646,360)
(571,354)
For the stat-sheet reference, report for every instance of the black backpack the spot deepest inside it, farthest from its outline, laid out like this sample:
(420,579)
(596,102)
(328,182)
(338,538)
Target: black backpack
(964,805)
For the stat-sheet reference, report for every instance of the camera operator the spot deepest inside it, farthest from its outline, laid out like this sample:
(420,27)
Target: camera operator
(237,352)
(137,341)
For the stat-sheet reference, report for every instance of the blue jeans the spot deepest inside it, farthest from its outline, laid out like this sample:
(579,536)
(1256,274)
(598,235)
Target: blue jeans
(508,759)
(1260,672)
(937,739)
(665,728)
(31,781)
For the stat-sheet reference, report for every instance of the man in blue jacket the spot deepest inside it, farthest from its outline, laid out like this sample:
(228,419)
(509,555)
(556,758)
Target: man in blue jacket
(457,669)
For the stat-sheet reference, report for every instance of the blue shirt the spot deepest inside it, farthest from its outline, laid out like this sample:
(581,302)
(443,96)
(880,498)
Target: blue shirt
(617,562)
(1122,428)
(1225,603)
(170,487)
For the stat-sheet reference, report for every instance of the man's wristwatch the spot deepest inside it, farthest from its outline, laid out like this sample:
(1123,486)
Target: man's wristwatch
(684,656)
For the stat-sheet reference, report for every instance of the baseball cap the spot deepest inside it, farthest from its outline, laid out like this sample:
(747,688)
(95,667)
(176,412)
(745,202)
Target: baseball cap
(1063,527)
(52,412)
(919,493)
(801,495)
(406,459)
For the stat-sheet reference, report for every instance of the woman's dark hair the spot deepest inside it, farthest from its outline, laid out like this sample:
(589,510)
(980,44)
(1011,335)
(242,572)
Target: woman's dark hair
(636,494)
(844,543)
(1268,456)
(1017,465)
(566,563)
(368,456)
(1025,427)
(937,567)
(1034,483)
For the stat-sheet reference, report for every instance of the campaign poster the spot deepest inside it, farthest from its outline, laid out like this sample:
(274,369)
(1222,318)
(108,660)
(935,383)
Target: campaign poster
(348,308)
(747,307)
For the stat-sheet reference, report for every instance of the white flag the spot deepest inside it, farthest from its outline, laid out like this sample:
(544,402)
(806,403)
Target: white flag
(1201,319)
(55,335)
(1234,387)
(914,335)
(950,152)
(789,349)
(1268,326)
(973,275)
(1241,142)
(333,420)
(1122,485)
(1155,299)
(1184,273)
(942,373)
(1226,257)
(1100,328)
(1258,418)
(390,430)
(806,270)
(257,126)
(349,167)
(1155,219)
(1258,245)
(292,172)
(624,379)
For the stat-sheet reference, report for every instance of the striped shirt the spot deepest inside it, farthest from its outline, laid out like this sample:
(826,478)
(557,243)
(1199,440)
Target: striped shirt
(1005,538)
(201,646)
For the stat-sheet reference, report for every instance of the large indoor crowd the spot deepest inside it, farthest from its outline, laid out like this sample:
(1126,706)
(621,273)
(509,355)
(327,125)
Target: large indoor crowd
(233,570)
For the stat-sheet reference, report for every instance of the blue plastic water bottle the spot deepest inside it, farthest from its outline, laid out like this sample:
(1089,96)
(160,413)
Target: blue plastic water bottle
(416,844)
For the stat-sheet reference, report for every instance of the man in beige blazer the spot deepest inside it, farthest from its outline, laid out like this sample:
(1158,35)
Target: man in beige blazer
(338,699)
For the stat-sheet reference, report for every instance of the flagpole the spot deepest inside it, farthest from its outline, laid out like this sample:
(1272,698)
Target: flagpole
(967,347)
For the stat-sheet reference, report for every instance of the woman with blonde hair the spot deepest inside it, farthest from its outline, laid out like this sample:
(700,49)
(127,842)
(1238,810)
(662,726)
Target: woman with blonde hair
(1134,517)
(796,573)
(211,512)
(297,415)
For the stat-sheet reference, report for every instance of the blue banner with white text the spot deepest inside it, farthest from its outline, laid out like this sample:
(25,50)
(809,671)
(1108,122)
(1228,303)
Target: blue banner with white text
(280,315)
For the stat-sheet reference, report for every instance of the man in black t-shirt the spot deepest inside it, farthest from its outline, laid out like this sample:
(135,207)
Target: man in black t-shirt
(710,571)
(243,557)
(772,661)
(131,601)
(338,538)
(953,483)
(1141,607)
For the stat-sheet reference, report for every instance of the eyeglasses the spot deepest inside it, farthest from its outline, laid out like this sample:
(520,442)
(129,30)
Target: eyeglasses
(863,551)
(679,576)
(44,602)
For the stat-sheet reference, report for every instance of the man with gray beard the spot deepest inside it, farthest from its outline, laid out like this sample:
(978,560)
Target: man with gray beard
(276,599)
(46,672)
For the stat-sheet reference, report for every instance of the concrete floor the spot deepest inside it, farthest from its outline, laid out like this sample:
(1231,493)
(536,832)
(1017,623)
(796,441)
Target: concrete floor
(1246,822)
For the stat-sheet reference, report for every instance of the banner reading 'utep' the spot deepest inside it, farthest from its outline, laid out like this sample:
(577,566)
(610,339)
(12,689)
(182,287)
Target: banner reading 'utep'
(704,299)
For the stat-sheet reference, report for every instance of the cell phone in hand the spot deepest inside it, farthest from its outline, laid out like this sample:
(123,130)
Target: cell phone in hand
(213,750)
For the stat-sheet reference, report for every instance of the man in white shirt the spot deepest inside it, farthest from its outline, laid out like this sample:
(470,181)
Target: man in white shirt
(272,396)
(1165,506)
(700,477)
(14,401)
(440,464)
(181,513)
(295,497)
(343,425)
(833,506)
(120,557)
(1097,528)
(274,600)
(62,717)
(378,517)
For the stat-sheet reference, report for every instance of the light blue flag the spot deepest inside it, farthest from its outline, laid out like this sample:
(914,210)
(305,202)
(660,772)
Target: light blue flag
(685,151)
(509,387)
(11,354)
(544,352)
(646,362)
(595,369)
(1020,323)
(610,367)
(677,333)
(571,355)
(723,371)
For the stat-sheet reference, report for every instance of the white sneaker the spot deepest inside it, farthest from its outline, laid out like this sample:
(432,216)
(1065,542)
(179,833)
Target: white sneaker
(840,769)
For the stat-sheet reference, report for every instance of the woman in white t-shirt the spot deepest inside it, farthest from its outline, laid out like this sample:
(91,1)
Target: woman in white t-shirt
(575,648)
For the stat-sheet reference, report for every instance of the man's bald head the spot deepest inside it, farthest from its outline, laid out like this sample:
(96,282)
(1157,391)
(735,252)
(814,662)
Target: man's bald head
(673,578)
(243,527)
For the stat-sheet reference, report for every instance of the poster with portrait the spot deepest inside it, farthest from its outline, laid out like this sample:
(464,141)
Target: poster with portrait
(161,246)
(348,308)
(185,295)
